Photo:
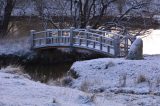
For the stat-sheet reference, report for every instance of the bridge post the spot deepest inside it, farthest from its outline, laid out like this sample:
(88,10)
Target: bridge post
(87,35)
(126,45)
(117,46)
(71,36)
(100,41)
(32,34)
(48,33)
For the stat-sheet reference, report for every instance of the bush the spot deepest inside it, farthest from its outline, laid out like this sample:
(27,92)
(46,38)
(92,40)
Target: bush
(141,79)
(122,80)
(66,81)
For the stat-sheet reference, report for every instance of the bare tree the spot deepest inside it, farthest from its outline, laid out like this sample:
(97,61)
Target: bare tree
(9,5)
(85,12)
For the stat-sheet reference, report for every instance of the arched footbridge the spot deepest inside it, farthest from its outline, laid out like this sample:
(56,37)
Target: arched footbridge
(104,42)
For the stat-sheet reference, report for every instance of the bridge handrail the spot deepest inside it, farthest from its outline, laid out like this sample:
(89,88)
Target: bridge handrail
(40,32)
(94,34)
(105,32)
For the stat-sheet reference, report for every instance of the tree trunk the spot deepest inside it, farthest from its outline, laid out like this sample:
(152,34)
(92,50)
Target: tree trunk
(7,14)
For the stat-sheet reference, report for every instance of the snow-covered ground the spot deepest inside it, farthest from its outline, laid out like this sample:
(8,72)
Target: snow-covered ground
(130,81)
(17,90)
(100,82)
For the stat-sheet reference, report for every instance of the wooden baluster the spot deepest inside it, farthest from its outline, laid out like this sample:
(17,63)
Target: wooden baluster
(101,42)
(32,34)
(64,40)
(126,45)
(71,36)
(87,39)
(80,41)
(87,34)
(94,44)
(59,35)
(108,49)
(46,35)
(49,34)
(117,46)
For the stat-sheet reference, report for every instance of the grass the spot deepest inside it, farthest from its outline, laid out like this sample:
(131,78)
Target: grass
(141,79)
(122,80)
(110,64)
(85,86)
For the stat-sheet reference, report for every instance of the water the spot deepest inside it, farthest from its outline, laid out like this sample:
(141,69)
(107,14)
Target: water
(45,73)
(20,27)
(38,71)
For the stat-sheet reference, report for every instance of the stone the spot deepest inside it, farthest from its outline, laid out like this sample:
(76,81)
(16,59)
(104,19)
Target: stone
(136,50)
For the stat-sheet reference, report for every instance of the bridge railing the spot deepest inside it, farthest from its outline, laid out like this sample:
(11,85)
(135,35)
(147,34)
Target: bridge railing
(100,41)
(94,41)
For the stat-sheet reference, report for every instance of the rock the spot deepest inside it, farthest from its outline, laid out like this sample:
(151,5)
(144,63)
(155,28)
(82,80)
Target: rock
(136,50)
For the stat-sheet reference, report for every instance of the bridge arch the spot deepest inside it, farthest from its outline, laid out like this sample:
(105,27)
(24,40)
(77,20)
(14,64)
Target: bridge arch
(99,41)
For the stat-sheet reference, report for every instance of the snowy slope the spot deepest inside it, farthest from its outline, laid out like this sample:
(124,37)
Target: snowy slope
(107,72)
(126,79)
(17,90)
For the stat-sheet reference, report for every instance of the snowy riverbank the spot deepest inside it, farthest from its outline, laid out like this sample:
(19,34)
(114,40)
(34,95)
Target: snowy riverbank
(17,90)
(100,82)
(127,79)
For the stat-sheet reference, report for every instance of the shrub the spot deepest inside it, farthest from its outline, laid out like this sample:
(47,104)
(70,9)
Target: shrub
(66,81)
(109,64)
(122,80)
(141,79)
(85,86)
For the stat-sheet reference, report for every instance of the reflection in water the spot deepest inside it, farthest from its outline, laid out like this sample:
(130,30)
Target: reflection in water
(45,73)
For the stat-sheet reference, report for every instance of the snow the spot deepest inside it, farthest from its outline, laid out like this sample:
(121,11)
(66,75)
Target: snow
(101,82)
(121,77)
(151,43)
(108,71)
(17,90)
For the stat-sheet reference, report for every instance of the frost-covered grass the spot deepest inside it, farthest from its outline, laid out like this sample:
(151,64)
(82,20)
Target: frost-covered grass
(108,72)
(17,90)
(101,82)
(124,78)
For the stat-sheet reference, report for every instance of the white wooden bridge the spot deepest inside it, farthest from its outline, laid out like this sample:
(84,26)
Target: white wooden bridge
(99,41)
